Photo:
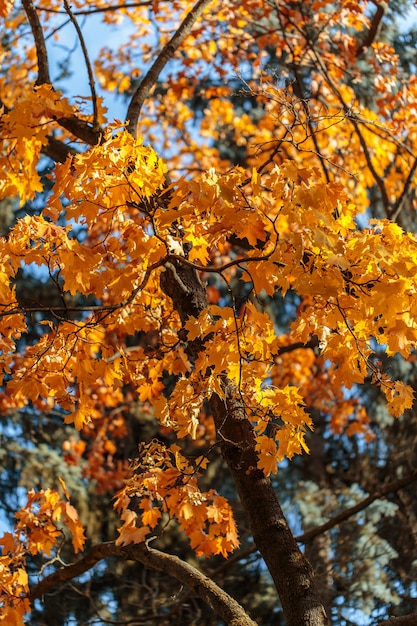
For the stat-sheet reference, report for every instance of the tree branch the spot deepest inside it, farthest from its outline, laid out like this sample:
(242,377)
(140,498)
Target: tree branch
(162,59)
(81,129)
(311,344)
(57,150)
(382,8)
(202,586)
(402,199)
(309,535)
(341,517)
(406,620)
(43,65)
(124,5)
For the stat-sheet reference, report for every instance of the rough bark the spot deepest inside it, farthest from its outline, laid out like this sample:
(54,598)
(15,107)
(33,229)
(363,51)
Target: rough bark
(292,573)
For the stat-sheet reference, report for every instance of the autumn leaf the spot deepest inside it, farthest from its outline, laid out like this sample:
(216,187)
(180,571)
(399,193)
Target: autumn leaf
(5,7)
(129,532)
(400,398)
(79,418)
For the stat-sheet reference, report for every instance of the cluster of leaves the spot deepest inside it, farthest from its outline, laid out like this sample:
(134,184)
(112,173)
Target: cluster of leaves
(39,527)
(309,243)
(164,480)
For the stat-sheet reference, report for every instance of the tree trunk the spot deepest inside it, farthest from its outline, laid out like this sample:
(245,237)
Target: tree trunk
(292,573)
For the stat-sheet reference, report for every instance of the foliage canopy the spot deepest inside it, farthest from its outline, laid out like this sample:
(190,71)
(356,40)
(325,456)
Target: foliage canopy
(235,263)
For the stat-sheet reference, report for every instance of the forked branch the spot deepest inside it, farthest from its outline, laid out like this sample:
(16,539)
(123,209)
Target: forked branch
(80,128)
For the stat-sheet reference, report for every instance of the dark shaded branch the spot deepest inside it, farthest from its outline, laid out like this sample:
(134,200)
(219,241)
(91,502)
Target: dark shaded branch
(96,125)
(164,56)
(81,129)
(382,8)
(341,517)
(57,150)
(57,310)
(174,258)
(43,66)
(402,199)
(405,620)
(205,588)
(313,343)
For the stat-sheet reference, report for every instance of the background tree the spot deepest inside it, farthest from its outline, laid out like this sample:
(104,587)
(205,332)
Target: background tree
(226,312)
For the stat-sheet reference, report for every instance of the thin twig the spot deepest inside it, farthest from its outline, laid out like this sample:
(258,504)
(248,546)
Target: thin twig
(162,59)
(304,104)
(105,308)
(352,118)
(91,82)
(127,5)
(313,134)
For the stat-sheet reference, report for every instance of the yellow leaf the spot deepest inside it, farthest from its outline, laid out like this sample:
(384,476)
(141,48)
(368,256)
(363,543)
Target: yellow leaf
(131,534)
(80,418)
(400,398)
(64,487)
(150,518)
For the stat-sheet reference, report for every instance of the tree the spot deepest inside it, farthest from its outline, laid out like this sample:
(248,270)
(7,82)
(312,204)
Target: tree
(168,273)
